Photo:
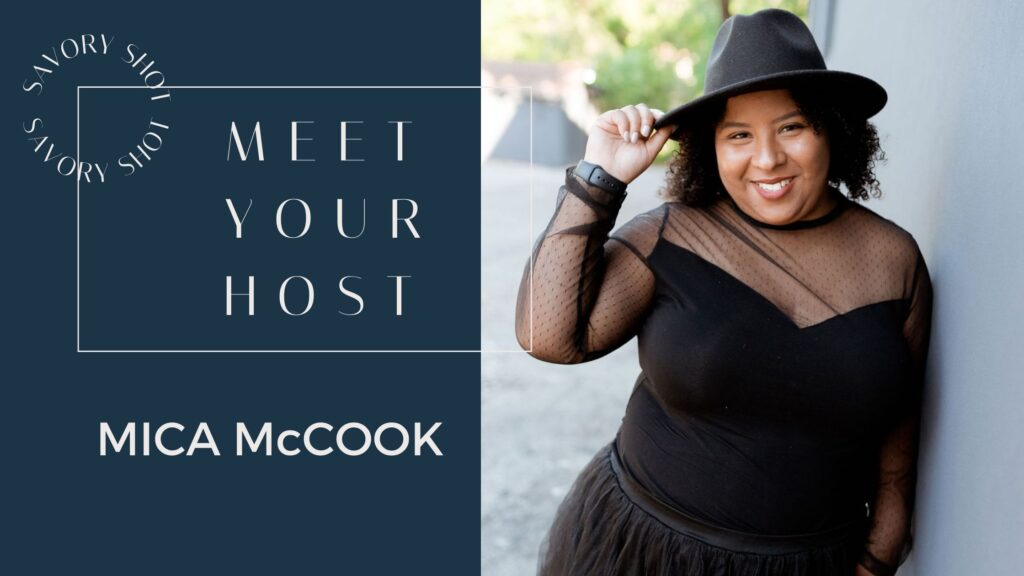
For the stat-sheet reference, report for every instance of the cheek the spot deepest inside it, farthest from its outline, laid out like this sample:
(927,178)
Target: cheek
(731,163)
(812,154)
(823,158)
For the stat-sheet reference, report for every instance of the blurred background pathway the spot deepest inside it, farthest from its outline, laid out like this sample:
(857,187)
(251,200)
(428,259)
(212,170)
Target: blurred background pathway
(541,422)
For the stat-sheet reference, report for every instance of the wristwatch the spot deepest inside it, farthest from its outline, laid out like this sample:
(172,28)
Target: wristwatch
(596,176)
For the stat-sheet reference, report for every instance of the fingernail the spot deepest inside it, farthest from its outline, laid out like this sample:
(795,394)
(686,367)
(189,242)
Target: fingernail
(625,136)
(645,130)
(632,137)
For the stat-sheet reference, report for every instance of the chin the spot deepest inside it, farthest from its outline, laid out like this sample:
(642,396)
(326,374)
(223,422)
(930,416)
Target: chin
(774,213)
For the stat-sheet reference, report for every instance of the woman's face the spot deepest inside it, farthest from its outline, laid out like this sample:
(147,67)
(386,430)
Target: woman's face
(770,160)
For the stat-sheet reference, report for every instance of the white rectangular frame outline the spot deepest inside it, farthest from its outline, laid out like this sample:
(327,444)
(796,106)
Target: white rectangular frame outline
(78,243)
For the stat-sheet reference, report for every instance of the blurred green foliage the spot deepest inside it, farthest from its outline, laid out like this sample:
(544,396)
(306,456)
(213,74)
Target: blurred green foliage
(653,52)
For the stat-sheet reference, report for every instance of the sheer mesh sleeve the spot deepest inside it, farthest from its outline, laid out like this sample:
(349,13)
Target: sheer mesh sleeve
(589,292)
(891,536)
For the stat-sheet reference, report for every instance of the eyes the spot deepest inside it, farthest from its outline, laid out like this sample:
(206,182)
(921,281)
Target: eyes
(785,129)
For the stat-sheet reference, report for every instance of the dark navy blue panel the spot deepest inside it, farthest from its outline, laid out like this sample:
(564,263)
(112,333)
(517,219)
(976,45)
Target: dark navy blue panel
(158,241)
(155,248)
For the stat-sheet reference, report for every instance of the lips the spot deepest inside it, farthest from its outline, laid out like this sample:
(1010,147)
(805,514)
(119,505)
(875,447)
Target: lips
(774,188)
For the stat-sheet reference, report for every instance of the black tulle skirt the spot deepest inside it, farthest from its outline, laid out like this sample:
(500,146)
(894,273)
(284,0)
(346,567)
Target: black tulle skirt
(608,525)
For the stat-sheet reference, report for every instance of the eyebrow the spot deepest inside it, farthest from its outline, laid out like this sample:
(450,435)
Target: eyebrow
(785,116)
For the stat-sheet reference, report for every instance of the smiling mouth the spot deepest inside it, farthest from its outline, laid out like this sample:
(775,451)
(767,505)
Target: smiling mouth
(772,191)
(775,186)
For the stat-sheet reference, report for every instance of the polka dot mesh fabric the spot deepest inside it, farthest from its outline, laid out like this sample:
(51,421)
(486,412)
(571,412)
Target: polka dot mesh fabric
(804,344)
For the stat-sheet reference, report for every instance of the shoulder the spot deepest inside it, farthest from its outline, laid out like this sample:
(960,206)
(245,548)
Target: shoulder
(881,230)
(641,232)
(677,223)
(885,241)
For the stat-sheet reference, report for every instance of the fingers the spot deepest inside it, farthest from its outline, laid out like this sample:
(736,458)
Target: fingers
(633,131)
(657,114)
(635,123)
(659,137)
(619,120)
(646,119)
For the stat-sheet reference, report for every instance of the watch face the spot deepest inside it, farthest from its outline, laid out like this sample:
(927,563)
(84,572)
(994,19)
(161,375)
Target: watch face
(585,170)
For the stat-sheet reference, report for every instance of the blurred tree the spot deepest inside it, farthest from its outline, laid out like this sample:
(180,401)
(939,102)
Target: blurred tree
(640,50)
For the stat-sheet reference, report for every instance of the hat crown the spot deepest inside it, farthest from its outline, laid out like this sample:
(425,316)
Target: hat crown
(767,50)
(768,42)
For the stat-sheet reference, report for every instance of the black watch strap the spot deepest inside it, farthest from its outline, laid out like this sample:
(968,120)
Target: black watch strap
(596,176)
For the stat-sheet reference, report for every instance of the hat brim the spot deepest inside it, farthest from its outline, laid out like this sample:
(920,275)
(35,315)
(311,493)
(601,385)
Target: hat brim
(850,92)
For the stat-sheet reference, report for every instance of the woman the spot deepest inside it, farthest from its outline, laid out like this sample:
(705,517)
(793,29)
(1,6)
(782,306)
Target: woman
(783,328)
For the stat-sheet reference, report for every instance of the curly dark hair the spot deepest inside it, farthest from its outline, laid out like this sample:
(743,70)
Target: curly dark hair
(854,150)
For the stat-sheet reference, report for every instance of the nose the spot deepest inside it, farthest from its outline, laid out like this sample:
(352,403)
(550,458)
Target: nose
(768,154)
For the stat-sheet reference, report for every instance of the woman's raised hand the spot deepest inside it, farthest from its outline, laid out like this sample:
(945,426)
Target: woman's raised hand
(621,141)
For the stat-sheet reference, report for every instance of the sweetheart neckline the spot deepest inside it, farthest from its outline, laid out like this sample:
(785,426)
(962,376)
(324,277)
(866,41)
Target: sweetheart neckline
(774,307)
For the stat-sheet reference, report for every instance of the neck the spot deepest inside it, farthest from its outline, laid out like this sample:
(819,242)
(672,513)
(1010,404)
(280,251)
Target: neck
(829,206)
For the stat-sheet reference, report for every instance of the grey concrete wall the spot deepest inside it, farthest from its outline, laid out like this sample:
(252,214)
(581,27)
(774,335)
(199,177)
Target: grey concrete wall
(954,134)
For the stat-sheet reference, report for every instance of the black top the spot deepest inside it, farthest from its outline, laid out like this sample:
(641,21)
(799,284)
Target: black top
(782,366)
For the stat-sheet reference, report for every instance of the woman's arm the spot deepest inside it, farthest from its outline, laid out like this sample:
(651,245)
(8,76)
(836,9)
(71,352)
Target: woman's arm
(589,293)
(585,295)
(891,537)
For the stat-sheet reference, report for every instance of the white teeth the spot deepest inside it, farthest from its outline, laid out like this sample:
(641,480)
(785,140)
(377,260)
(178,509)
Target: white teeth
(774,187)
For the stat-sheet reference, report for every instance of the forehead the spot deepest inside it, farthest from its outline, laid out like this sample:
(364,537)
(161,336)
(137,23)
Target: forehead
(753,106)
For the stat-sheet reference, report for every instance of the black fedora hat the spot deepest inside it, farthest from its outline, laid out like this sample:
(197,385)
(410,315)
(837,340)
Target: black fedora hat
(773,49)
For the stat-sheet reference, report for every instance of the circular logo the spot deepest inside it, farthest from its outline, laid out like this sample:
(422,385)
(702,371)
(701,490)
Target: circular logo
(53,130)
